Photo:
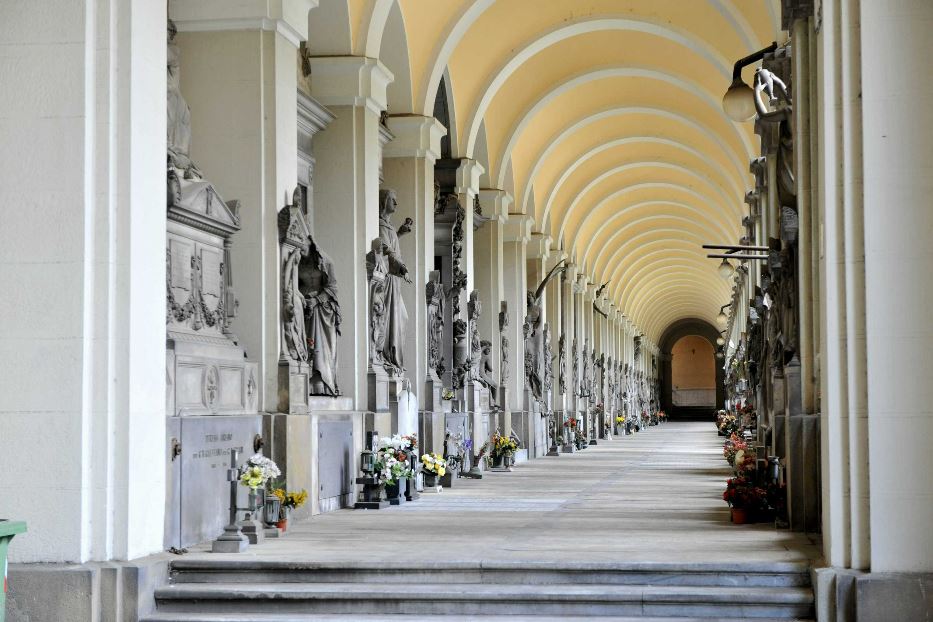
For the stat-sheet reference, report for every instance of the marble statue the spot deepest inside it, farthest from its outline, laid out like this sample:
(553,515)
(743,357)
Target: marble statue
(461,353)
(547,359)
(575,364)
(504,370)
(435,299)
(317,281)
(474,310)
(377,271)
(294,337)
(186,187)
(486,373)
(586,382)
(562,364)
(534,348)
(396,316)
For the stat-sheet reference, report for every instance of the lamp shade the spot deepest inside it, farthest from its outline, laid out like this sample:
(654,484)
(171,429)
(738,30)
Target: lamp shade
(721,319)
(725,269)
(739,101)
(720,341)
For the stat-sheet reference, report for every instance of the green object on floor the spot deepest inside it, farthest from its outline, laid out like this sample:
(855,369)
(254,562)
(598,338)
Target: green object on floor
(8,529)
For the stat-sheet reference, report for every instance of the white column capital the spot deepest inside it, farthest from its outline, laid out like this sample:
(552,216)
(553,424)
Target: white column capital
(517,228)
(539,247)
(591,292)
(495,203)
(289,18)
(468,174)
(555,257)
(350,81)
(415,136)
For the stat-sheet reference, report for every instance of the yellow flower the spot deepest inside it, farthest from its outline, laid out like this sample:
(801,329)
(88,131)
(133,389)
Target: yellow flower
(441,471)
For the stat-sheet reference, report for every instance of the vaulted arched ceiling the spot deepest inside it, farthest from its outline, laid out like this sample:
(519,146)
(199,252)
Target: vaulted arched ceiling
(601,117)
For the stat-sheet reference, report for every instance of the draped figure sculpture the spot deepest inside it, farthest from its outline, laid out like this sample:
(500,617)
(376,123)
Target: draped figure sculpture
(318,282)
(396,316)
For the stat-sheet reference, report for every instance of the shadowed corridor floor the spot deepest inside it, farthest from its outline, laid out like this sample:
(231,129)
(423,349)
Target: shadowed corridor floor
(651,497)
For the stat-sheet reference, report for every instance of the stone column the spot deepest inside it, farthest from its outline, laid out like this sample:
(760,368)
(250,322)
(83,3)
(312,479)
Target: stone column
(517,233)
(83,334)
(408,168)
(896,129)
(488,265)
(346,196)
(250,152)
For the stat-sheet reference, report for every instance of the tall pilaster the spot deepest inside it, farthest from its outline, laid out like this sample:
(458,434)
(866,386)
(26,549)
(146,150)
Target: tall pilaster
(517,234)
(488,267)
(408,168)
(896,131)
(346,196)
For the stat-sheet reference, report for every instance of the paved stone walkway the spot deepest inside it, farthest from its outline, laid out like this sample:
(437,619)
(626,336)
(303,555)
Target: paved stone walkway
(651,497)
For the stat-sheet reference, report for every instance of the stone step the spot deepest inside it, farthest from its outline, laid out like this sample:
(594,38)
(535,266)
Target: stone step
(310,617)
(483,599)
(775,574)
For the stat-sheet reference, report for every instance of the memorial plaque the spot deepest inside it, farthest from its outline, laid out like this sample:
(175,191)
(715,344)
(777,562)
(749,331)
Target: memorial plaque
(205,456)
(181,264)
(210,272)
(336,463)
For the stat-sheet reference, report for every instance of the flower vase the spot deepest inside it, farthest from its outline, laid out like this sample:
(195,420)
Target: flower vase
(272,509)
(393,492)
(739,516)
(430,479)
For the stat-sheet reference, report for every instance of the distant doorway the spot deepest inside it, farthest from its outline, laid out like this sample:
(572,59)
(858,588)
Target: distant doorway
(693,373)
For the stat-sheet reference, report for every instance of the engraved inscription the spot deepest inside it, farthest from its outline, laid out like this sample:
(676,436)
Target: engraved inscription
(181,265)
(210,273)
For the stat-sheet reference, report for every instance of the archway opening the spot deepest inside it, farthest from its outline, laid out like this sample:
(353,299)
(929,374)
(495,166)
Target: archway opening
(693,373)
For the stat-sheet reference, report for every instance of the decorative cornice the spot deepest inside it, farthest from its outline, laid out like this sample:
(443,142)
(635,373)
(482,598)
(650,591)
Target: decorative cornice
(416,136)
(289,18)
(517,228)
(312,115)
(495,203)
(468,175)
(539,247)
(350,81)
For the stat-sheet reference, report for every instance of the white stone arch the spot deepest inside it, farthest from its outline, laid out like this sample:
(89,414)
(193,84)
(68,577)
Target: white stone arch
(481,155)
(446,44)
(686,231)
(740,166)
(726,200)
(375,20)
(587,24)
(585,156)
(393,53)
(711,99)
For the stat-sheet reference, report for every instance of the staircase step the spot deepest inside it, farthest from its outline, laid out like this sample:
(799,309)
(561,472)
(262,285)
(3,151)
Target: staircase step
(292,617)
(779,574)
(482,599)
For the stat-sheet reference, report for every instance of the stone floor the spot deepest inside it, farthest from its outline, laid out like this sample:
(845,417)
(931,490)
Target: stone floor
(651,497)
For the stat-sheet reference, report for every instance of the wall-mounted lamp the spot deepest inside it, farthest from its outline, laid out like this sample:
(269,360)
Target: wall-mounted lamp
(722,319)
(739,101)
(725,269)
(720,340)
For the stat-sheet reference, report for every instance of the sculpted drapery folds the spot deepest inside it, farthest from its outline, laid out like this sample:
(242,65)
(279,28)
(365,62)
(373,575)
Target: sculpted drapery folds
(396,316)
(474,311)
(318,282)
(534,347)
(435,299)
(562,364)
(504,341)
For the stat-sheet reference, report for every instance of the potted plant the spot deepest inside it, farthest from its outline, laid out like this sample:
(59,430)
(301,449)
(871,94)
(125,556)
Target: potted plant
(503,449)
(434,467)
(288,501)
(745,499)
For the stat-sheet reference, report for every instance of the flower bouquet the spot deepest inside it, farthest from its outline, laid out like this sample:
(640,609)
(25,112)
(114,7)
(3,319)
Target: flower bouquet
(288,500)
(580,439)
(392,464)
(570,423)
(731,447)
(503,448)
(434,468)
(447,394)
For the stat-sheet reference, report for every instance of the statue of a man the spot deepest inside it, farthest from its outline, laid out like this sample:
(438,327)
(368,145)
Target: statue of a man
(486,374)
(318,281)
(293,308)
(396,314)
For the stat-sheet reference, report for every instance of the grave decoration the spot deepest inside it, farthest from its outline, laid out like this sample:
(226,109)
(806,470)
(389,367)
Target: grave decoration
(392,465)
(503,449)
(288,500)
(434,468)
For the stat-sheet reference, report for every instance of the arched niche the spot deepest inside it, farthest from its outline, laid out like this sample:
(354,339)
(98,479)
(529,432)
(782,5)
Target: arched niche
(671,335)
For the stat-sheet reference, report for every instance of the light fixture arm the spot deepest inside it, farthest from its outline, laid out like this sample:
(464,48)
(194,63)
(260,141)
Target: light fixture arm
(754,57)
(737,256)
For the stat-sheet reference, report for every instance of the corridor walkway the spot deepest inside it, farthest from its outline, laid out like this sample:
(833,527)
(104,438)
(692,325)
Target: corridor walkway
(654,496)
